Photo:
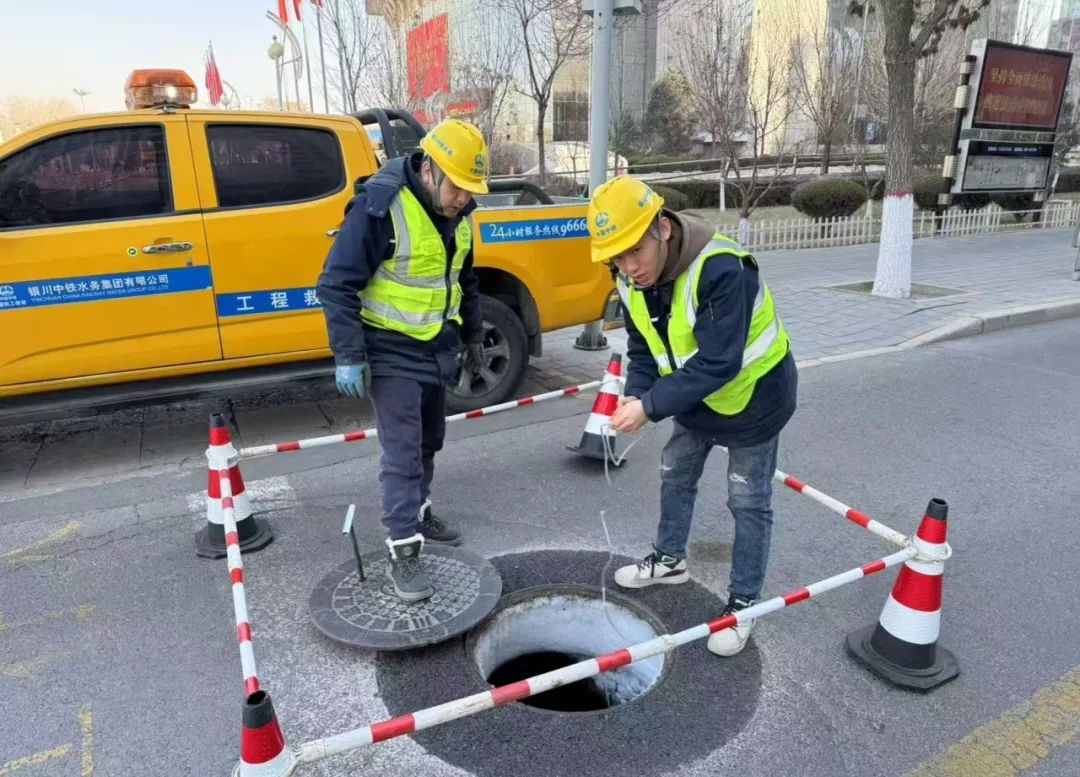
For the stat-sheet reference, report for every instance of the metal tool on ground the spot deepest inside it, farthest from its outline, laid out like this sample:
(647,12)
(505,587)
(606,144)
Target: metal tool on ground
(365,434)
(598,439)
(254,533)
(902,646)
(348,529)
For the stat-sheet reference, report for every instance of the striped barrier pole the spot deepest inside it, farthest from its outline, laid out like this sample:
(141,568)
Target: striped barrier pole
(335,439)
(319,749)
(236,575)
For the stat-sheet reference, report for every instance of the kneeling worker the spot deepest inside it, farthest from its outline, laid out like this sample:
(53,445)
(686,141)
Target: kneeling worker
(400,296)
(707,348)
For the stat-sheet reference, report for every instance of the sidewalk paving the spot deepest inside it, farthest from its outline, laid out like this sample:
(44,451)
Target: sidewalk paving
(999,280)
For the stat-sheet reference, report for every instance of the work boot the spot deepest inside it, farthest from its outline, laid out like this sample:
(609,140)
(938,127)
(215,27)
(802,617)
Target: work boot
(411,582)
(434,530)
(656,568)
(731,641)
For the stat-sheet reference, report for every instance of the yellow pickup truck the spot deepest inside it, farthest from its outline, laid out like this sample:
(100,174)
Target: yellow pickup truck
(168,246)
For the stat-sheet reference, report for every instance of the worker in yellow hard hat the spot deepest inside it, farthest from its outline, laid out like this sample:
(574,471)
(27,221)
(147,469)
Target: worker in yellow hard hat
(707,349)
(400,298)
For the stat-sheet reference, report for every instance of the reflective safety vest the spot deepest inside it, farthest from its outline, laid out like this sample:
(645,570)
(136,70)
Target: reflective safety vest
(416,290)
(766,343)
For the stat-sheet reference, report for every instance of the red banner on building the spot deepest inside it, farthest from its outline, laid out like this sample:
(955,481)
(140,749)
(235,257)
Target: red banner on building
(1020,88)
(429,59)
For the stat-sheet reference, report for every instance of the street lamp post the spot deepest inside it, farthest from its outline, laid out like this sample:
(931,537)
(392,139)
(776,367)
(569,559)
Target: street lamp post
(276,52)
(82,96)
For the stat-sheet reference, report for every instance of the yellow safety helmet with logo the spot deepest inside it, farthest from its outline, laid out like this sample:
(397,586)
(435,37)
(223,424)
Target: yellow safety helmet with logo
(459,150)
(619,213)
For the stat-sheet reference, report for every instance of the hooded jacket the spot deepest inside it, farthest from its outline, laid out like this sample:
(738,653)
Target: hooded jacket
(365,241)
(726,293)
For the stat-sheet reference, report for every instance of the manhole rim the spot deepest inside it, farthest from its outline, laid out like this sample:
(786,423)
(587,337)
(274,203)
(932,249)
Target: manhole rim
(636,608)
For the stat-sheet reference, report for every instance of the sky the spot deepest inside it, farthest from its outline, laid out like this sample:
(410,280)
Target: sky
(51,47)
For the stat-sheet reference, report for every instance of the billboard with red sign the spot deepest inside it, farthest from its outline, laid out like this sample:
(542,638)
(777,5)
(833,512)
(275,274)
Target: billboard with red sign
(1021,88)
(428,52)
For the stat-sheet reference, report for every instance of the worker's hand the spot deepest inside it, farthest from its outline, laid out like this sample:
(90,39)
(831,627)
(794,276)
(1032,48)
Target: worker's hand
(629,417)
(351,379)
(624,400)
(474,354)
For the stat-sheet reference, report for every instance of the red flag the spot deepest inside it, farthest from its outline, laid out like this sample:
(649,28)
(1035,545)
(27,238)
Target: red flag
(282,12)
(318,2)
(297,4)
(214,87)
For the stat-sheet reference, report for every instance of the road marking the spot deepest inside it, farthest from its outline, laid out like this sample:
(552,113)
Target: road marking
(28,554)
(81,613)
(267,492)
(34,760)
(87,723)
(1017,740)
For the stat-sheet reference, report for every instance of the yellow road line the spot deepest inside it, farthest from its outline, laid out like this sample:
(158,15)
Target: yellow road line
(81,613)
(87,722)
(1017,740)
(34,760)
(27,555)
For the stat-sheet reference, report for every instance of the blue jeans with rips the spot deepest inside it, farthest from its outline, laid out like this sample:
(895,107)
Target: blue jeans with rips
(750,476)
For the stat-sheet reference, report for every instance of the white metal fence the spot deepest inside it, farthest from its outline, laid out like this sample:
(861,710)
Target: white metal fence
(798,233)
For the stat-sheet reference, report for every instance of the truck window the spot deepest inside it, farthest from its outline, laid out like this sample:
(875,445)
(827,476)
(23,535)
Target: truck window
(91,175)
(272,165)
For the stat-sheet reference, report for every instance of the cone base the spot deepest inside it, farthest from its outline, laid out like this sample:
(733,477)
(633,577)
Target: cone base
(210,540)
(945,668)
(598,455)
(286,765)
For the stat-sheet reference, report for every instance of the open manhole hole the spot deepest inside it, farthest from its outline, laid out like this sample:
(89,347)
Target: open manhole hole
(541,629)
(918,290)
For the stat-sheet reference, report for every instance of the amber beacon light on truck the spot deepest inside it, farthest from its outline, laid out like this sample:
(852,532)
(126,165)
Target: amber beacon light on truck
(159,88)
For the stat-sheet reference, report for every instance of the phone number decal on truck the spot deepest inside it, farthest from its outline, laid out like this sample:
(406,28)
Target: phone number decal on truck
(540,229)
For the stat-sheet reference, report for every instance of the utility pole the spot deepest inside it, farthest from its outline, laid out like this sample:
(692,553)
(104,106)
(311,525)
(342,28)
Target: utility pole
(603,16)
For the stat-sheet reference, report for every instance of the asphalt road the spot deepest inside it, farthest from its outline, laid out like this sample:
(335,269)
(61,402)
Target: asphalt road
(118,654)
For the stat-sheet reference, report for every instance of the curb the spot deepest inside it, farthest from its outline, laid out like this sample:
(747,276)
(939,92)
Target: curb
(965,326)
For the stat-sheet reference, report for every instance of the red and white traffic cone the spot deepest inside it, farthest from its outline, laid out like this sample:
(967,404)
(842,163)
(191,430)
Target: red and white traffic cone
(263,752)
(598,427)
(254,533)
(903,646)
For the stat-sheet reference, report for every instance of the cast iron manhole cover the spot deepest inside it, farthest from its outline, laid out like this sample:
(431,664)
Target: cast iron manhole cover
(368,614)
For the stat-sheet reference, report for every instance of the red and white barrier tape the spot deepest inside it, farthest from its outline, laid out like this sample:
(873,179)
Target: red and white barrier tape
(236,575)
(335,439)
(497,697)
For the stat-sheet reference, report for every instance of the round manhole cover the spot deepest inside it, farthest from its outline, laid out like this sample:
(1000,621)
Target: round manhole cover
(366,613)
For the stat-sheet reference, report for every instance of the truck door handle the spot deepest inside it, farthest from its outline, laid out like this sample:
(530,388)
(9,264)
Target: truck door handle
(332,232)
(164,248)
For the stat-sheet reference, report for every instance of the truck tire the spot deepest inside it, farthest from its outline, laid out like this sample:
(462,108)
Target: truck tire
(506,353)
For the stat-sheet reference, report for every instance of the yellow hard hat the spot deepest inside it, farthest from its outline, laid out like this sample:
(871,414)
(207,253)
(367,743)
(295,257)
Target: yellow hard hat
(619,213)
(459,150)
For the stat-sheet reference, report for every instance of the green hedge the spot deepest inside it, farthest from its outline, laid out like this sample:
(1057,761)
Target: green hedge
(926,192)
(826,198)
(673,198)
(706,194)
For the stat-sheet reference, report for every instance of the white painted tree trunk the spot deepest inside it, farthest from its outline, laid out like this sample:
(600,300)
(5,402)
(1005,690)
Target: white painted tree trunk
(744,231)
(893,275)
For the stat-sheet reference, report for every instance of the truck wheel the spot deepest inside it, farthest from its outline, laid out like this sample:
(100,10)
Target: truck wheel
(506,355)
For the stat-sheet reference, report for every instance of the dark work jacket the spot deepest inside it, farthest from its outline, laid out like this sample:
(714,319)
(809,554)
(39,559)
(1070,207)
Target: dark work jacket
(366,239)
(725,304)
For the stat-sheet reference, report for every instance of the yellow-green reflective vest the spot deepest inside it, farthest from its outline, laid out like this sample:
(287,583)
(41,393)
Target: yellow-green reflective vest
(766,343)
(415,292)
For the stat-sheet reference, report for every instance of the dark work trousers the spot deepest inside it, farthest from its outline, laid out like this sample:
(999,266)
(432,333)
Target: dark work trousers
(411,419)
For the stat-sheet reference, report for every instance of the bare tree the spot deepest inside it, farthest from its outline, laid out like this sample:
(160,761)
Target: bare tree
(553,33)
(362,57)
(741,98)
(484,60)
(18,114)
(822,59)
(913,30)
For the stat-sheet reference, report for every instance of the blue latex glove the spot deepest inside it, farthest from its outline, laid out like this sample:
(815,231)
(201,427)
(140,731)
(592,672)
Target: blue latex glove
(351,379)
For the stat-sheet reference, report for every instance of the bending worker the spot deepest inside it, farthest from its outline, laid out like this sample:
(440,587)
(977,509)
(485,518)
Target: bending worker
(706,348)
(400,296)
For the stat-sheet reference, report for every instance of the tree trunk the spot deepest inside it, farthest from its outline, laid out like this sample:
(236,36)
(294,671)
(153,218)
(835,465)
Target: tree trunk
(744,230)
(893,276)
(541,111)
(826,156)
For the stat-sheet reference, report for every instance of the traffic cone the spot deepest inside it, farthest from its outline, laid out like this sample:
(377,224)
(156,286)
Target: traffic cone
(598,427)
(262,746)
(903,646)
(253,533)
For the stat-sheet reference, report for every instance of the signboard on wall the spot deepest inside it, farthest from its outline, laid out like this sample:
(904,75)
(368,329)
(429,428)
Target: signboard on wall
(1007,133)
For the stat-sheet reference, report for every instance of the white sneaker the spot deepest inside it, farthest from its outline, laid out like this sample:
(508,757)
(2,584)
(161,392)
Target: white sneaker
(731,641)
(653,569)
